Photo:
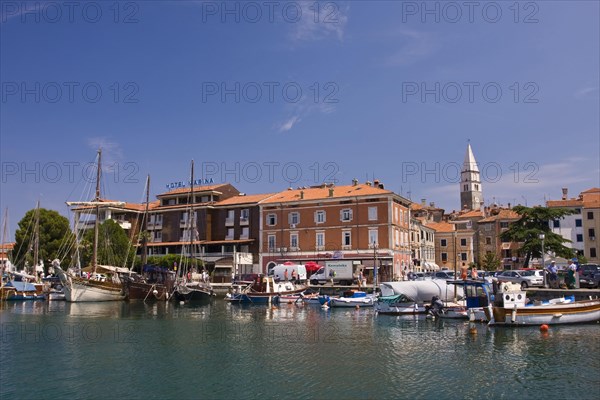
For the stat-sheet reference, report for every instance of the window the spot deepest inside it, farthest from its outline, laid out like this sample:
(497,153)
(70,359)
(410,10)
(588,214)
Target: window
(157,236)
(230,214)
(294,240)
(245,232)
(319,217)
(373,237)
(488,240)
(229,234)
(294,218)
(578,223)
(346,215)
(590,215)
(244,214)
(592,252)
(592,233)
(346,238)
(320,240)
(579,237)
(556,223)
(443,242)
(271,242)
(503,224)
(444,256)
(465,188)
(463,256)
(372,213)
(271,219)
(463,242)
(488,227)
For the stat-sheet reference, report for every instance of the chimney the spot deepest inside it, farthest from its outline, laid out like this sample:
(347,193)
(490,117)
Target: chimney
(423,202)
(330,192)
(368,183)
(354,182)
(565,192)
(432,204)
(301,194)
(376,183)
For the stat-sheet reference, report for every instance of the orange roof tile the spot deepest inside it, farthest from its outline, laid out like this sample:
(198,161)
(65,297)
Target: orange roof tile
(564,203)
(470,214)
(246,199)
(591,204)
(503,214)
(319,193)
(592,190)
(441,226)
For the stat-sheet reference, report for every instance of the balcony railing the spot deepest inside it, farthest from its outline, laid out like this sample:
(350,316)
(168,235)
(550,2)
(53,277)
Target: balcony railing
(229,221)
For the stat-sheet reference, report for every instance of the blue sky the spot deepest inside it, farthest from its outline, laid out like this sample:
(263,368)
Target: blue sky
(267,95)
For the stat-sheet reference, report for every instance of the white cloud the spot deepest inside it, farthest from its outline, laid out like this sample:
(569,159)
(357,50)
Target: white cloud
(112,153)
(318,21)
(414,46)
(586,91)
(289,124)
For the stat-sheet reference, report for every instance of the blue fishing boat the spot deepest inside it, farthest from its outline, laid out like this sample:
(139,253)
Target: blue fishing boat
(19,290)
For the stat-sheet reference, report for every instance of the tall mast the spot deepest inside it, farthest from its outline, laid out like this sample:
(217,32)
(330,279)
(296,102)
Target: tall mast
(96,223)
(192,221)
(4,232)
(36,239)
(145,221)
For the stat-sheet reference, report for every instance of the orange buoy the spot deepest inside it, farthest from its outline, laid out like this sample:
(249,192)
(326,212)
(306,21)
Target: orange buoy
(473,330)
(543,328)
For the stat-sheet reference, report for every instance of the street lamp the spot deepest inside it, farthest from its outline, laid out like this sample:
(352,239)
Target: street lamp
(542,237)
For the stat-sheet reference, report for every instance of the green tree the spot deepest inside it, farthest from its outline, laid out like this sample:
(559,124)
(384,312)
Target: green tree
(55,237)
(114,246)
(490,262)
(527,230)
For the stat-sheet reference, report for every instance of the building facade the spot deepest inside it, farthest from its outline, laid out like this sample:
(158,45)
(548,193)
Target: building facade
(358,222)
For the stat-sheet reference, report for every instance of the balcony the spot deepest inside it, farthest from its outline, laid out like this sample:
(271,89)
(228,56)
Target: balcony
(154,225)
(124,224)
(243,221)
(229,221)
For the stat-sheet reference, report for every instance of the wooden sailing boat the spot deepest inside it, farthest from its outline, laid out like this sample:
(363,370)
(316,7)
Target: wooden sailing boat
(191,286)
(79,289)
(154,283)
(25,285)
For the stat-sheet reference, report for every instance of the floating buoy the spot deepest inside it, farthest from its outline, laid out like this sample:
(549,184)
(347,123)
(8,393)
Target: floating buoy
(473,330)
(357,307)
(274,308)
(182,302)
(543,328)
(155,292)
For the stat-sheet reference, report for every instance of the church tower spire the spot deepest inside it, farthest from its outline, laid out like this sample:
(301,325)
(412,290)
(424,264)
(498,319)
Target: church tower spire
(471,196)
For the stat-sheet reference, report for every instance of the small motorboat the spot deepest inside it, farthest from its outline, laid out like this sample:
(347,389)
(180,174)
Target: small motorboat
(353,298)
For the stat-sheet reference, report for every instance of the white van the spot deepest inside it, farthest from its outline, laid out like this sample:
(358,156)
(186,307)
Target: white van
(278,272)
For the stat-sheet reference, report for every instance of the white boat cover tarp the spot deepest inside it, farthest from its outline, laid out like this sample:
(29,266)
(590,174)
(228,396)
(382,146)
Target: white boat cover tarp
(422,291)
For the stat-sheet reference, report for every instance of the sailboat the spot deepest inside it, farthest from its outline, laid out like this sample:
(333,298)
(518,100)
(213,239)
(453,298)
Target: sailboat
(192,286)
(96,287)
(155,283)
(23,285)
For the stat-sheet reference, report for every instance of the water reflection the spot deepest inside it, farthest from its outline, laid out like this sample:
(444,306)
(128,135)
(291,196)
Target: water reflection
(306,351)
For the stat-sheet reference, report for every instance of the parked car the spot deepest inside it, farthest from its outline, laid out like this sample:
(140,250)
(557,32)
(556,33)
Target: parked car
(589,275)
(444,275)
(525,278)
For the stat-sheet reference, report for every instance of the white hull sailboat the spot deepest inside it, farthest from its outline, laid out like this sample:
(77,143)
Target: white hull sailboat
(78,289)
(81,290)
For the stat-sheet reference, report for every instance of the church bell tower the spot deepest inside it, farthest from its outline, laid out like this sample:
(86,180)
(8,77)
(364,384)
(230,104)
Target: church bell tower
(471,196)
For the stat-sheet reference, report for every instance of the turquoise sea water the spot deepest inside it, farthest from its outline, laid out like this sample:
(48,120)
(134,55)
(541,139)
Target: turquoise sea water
(224,351)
